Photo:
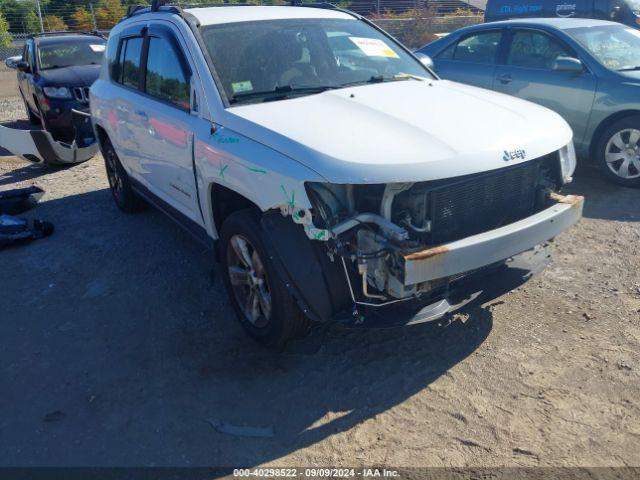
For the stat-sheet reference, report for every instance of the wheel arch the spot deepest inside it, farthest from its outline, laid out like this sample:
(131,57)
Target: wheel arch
(604,124)
(223,201)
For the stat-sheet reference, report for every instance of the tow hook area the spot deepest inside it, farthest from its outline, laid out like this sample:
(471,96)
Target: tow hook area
(39,146)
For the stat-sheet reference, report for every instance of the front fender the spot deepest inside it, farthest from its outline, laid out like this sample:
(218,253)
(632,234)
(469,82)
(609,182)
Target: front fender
(267,178)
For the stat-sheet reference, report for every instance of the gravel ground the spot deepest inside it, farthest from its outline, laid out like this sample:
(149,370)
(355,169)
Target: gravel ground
(120,348)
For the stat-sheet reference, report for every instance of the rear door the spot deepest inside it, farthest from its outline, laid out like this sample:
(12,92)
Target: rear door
(168,118)
(471,59)
(127,73)
(527,72)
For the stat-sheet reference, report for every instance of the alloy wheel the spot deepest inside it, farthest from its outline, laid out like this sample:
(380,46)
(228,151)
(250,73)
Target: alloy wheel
(622,153)
(248,280)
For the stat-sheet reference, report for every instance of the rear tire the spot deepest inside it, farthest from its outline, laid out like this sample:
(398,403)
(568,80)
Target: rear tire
(125,197)
(262,303)
(618,152)
(33,118)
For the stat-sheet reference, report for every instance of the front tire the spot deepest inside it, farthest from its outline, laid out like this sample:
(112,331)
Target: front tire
(33,118)
(261,301)
(618,152)
(125,197)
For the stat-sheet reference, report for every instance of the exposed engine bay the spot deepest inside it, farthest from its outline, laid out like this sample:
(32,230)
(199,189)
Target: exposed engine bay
(378,230)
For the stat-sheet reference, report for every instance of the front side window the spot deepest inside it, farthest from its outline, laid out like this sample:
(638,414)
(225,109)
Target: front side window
(71,54)
(478,48)
(301,55)
(129,63)
(615,46)
(535,50)
(166,76)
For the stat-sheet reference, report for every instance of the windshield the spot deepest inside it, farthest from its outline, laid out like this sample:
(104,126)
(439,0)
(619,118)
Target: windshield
(616,46)
(69,54)
(274,59)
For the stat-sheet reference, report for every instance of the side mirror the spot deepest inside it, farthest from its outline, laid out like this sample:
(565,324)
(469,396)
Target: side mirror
(23,66)
(12,61)
(615,12)
(568,64)
(425,60)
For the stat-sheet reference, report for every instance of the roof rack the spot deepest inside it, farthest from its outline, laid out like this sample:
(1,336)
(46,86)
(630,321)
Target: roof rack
(166,6)
(172,7)
(66,32)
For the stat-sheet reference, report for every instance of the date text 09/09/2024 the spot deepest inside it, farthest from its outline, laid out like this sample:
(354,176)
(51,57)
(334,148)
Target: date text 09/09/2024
(316,472)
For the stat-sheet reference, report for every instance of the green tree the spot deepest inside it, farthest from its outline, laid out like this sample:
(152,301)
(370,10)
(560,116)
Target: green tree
(15,12)
(108,13)
(31,22)
(5,39)
(53,23)
(82,19)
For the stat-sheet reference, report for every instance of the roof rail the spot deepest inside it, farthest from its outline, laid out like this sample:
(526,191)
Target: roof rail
(156,6)
(66,32)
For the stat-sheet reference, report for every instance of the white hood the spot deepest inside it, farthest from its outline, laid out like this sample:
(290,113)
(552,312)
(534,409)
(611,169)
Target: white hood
(402,131)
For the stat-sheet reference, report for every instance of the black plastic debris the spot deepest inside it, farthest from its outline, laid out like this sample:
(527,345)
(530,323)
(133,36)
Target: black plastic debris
(19,200)
(16,229)
(241,430)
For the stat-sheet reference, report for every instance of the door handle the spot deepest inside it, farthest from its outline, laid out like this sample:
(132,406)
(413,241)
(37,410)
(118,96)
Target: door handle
(505,79)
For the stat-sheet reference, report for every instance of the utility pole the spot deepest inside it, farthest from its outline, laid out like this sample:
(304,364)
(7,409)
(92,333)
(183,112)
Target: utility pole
(40,16)
(93,17)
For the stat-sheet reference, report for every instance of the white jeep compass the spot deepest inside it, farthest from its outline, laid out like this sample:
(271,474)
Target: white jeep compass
(336,176)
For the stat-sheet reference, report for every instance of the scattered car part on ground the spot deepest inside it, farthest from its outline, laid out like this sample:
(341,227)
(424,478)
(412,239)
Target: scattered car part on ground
(336,176)
(19,200)
(17,230)
(39,146)
(588,71)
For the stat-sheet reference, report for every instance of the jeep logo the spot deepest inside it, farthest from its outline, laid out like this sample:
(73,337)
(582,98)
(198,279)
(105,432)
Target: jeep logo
(514,154)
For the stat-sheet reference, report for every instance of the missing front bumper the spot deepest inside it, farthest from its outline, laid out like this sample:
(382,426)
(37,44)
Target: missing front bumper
(490,247)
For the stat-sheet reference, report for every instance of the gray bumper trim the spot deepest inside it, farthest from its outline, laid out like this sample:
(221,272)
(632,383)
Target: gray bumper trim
(490,247)
(39,145)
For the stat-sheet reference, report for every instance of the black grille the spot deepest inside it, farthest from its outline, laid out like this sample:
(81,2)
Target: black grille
(484,202)
(81,93)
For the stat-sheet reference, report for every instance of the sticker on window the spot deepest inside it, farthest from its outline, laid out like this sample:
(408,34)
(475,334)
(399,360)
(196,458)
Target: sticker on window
(372,47)
(239,87)
(98,48)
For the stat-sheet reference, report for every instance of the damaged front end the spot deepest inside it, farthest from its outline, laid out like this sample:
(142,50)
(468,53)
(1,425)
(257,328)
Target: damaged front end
(39,146)
(411,241)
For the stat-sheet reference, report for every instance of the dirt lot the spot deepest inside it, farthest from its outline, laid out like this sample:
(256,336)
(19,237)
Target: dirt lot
(119,348)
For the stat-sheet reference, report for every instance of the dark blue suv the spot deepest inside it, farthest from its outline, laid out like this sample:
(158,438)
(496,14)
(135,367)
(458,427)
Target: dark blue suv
(54,77)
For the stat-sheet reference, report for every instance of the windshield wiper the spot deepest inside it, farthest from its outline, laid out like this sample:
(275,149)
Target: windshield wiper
(282,92)
(629,69)
(382,79)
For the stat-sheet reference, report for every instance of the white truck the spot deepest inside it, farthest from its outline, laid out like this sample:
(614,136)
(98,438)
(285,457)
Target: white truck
(332,171)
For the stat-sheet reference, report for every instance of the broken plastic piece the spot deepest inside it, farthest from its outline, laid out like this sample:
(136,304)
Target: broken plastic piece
(19,200)
(16,229)
(240,430)
(40,146)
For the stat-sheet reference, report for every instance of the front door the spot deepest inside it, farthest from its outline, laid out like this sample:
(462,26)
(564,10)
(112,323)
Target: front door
(169,122)
(24,78)
(528,74)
